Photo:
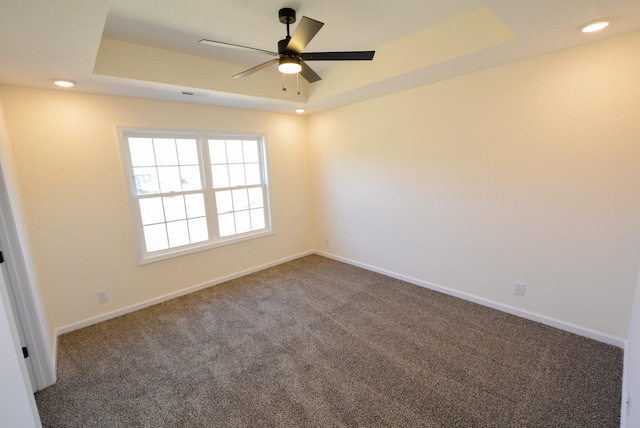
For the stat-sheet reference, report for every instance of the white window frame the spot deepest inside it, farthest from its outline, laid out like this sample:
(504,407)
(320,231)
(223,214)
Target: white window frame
(202,137)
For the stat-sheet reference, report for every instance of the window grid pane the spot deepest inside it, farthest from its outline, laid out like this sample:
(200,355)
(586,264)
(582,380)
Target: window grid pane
(165,150)
(190,178)
(234,151)
(252,174)
(240,200)
(226,225)
(141,150)
(178,232)
(198,230)
(195,205)
(188,152)
(174,208)
(220,174)
(224,203)
(243,221)
(257,219)
(155,237)
(146,180)
(236,175)
(255,197)
(250,151)
(217,152)
(151,211)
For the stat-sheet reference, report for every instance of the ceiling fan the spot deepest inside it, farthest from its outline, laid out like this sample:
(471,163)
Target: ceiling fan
(290,58)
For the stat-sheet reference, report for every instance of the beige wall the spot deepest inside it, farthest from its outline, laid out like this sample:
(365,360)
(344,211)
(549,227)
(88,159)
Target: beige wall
(72,188)
(527,172)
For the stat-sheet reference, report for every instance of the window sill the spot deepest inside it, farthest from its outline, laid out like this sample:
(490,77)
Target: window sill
(179,252)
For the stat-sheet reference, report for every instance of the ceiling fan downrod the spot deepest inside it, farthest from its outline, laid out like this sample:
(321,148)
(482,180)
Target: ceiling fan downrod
(287,16)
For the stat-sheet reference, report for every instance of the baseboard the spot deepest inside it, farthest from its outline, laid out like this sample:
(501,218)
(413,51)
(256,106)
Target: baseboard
(543,319)
(119,312)
(562,325)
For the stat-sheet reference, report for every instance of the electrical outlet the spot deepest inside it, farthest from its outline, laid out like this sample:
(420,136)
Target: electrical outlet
(326,241)
(518,288)
(102,296)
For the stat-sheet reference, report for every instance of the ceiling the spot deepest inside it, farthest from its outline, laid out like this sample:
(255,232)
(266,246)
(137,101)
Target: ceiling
(148,48)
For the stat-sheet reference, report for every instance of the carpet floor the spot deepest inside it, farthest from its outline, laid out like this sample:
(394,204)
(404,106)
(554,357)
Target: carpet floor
(315,342)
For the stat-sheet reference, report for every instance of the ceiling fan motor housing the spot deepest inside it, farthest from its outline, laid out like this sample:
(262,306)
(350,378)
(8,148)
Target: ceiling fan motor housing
(282,48)
(287,15)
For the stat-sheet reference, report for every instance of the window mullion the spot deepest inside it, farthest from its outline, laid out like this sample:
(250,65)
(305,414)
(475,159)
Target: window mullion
(209,191)
(246,186)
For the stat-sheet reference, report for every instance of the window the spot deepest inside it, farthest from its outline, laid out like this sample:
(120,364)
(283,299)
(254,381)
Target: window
(195,191)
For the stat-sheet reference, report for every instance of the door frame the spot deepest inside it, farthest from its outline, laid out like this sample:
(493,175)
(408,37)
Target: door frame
(23,295)
(17,322)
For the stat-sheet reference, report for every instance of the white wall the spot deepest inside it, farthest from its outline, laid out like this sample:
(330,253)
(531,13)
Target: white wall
(17,405)
(526,172)
(632,366)
(75,207)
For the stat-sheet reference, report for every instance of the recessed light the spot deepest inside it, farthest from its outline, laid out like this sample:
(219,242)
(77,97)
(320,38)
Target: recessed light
(595,26)
(300,110)
(63,83)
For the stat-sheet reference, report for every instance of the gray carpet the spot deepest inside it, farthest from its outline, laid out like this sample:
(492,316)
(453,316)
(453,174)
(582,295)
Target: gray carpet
(315,342)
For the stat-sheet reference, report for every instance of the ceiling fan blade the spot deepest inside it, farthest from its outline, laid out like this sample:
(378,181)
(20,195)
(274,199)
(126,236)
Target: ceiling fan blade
(338,56)
(256,68)
(232,46)
(308,73)
(305,31)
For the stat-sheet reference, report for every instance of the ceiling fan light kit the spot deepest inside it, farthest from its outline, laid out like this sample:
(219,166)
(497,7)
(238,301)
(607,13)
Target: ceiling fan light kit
(289,65)
(290,56)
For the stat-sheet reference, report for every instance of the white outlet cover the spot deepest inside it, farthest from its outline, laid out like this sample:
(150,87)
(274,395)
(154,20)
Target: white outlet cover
(518,288)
